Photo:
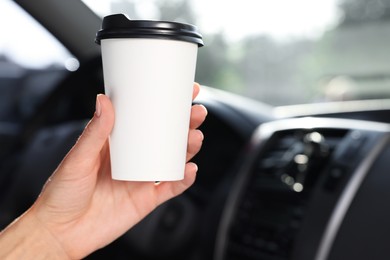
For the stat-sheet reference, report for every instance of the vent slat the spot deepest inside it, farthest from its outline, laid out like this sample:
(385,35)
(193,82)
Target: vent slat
(271,211)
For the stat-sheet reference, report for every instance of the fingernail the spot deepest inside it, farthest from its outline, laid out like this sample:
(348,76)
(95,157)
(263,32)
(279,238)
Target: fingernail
(98,109)
(201,135)
(196,168)
(205,109)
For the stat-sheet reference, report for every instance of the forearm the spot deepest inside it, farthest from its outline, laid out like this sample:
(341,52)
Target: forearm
(25,238)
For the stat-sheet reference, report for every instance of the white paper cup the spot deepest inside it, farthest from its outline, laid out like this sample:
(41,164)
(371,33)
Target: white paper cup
(149,76)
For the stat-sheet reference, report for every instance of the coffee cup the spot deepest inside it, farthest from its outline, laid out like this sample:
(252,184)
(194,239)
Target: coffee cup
(149,70)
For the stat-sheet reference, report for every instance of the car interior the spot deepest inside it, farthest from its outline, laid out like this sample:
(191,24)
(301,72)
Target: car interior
(296,181)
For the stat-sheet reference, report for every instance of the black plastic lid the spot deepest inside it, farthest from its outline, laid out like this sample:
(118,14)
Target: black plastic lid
(120,26)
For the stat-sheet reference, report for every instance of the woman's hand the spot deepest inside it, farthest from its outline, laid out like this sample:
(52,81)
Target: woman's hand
(81,209)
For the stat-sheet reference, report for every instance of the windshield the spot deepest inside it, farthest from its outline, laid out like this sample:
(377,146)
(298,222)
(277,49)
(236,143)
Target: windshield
(282,52)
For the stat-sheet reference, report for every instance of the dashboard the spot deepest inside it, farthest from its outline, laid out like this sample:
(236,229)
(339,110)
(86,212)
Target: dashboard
(305,190)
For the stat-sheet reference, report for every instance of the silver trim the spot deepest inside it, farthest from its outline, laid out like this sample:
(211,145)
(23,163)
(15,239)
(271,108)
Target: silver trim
(322,122)
(346,199)
(331,108)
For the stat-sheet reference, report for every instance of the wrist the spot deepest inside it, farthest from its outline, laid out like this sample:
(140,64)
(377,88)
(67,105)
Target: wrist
(26,238)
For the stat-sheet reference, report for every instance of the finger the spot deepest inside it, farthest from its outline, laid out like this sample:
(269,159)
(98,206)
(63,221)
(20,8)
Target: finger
(196,90)
(94,136)
(195,140)
(198,115)
(168,190)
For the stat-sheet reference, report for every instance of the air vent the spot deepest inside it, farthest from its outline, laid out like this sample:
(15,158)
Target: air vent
(273,205)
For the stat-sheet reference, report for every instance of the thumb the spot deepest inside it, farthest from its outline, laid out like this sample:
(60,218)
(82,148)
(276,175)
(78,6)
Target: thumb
(94,137)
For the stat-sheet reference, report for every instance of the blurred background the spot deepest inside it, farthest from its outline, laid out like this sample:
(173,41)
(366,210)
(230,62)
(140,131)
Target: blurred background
(278,52)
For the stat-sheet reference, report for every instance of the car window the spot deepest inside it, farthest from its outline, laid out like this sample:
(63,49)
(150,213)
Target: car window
(282,52)
(25,42)
(31,62)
